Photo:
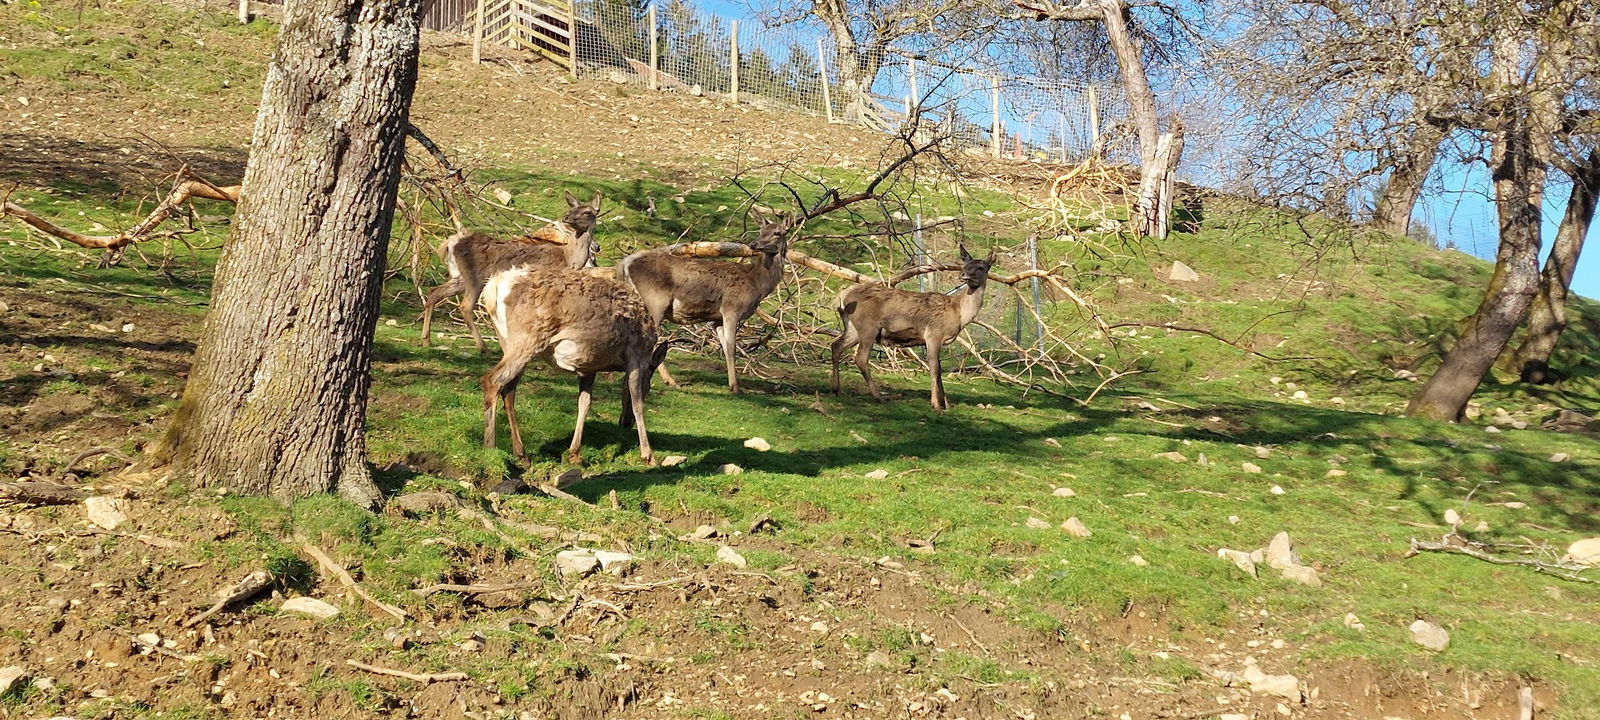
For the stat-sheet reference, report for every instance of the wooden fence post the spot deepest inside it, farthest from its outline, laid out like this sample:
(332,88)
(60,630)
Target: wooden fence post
(995,132)
(244,12)
(1094,118)
(733,60)
(916,100)
(822,74)
(655,54)
(572,38)
(477,33)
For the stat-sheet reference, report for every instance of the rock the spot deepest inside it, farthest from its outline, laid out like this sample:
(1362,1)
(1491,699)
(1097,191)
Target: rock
(1251,468)
(1336,401)
(730,469)
(1560,458)
(1182,273)
(1491,429)
(819,626)
(1430,636)
(1173,456)
(503,195)
(878,474)
(1276,490)
(1302,574)
(732,557)
(576,562)
(1036,523)
(879,658)
(1138,561)
(1518,425)
(672,460)
(1515,505)
(311,607)
(1052,442)
(1280,552)
(1405,375)
(704,532)
(106,512)
(616,563)
(1451,517)
(10,677)
(1284,686)
(1568,420)
(617,76)
(758,444)
(1202,461)
(128,327)
(1353,622)
(1233,519)
(1301,395)
(1584,552)
(1481,527)
(1076,528)
(763,522)
(1063,492)
(1262,452)
(1336,472)
(696,90)
(1274,380)
(1241,559)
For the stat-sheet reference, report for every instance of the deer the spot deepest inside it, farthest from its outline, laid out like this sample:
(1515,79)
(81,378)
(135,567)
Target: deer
(577,321)
(689,290)
(472,257)
(875,314)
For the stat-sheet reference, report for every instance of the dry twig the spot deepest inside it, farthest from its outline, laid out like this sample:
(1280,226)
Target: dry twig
(424,678)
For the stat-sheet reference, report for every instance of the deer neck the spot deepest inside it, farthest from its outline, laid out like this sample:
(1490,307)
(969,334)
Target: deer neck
(969,302)
(768,271)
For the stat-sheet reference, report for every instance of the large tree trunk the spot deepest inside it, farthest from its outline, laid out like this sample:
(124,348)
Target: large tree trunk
(1548,318)
(1157,161)
(276,400)
(1408,172)
(1519,177)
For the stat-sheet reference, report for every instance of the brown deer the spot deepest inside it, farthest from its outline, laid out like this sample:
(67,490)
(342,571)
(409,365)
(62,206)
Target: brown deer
(874,313)
(577,321)
(689,290)
(472,257)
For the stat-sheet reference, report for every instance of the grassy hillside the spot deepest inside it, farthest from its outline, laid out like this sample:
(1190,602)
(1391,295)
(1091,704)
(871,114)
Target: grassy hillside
(943,586)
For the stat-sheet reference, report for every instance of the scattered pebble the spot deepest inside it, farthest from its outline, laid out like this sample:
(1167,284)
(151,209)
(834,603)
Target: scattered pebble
(1251,468)
(878,474)
(1173,456)
(1241,559)
(106,512)
(672,460)
(10,677)
(1036,523)
(1430,636)
(1138,561)
(758,444)
(1353,622)
(310,607)
(1276,490)
(576,562)
(1075,527)
(730,556)
(730,469)
(1263,453)
(1064,492)
(1052,442)
(1451,517)
(1560,457)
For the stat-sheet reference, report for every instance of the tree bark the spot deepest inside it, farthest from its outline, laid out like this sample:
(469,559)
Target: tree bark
(276,400)
(1548,318)
(1408,172)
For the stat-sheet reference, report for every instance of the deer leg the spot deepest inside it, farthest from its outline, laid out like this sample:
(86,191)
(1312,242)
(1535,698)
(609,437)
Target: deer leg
(585,385)
(840,344)
(728,333)
(864,363)
(625,420)
(936,380)
(469,315)
(436,296)
(503,375)
(510,397)
(639,381)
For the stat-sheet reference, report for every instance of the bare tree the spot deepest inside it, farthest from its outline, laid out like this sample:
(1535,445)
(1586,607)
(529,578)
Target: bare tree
(1407,164)
(1548,318)
(276,400)
(1159,152)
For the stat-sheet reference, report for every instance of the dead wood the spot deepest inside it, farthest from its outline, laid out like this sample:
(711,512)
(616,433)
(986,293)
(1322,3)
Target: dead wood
(251,584)
(187,186)
(475,588)
(343,575)
(424,678)
(32,492)
(1456,544)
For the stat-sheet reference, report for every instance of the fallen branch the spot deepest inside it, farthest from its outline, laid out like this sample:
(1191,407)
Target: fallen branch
(188,186)
(338,571)
(425,678)
(475,588)
(1453,543)
(31,492)
(251,584)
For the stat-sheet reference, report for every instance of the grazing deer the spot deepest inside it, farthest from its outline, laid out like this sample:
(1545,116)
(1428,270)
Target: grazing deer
(473,257)
(873,313)
(577,321)
(689,290)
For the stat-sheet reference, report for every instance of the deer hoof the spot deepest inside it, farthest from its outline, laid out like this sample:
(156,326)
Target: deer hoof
(574,458)
(650,460)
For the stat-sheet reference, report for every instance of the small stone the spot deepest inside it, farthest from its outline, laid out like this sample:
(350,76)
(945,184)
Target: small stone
(1491,429)
(1560,458)
(10,677)
(672,460)
(1274,380)
(616,563)
(1302,574)
(1451,517)
(1241,559)
(730,556)
(1284,686)
(878,474)
(1063,492)
(1584,552)
(128,327)
(1233,519)
(1276,490)
(1177,457)
(1518,425)
(1251,468)
(576,562)
(149,639)
(1233,716)
(1336,472)
(311,607)
(1263,453)
(879,658)
(1182,273)
(730,469)
(1075,527)
(106,512)
(704,532)
(1052,442)
(1138,561)
(819,626)
(1280,552)
(391,322)
(1481,527)
(1301,395)
(1430,636)
(1036,523)
(758,444)
(471,645)
(1336,401)
(1405,375)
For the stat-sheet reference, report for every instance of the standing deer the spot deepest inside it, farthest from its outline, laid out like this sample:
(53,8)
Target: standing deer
(873,313)
(473,257)
(689,290)
(576,321)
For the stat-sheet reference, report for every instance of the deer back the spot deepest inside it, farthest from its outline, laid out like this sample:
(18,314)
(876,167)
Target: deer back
(901,316)
(700,289)
(599,323)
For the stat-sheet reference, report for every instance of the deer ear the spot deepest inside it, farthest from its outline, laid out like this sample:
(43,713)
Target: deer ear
(965,256)
(595,203)
(572,201)
(991,256)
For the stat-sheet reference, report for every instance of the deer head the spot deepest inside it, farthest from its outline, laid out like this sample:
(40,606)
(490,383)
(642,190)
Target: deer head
(773,239)
(975,272)
(581,217)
